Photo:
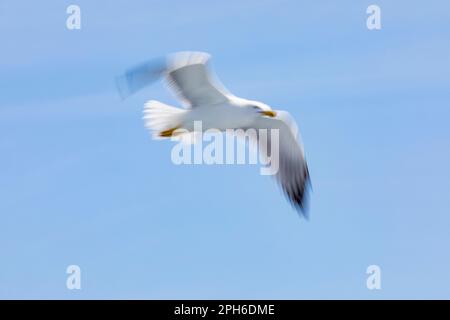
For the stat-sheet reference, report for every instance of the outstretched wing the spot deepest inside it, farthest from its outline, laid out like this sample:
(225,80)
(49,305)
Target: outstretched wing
(187,74)
(292,174)
(190,78)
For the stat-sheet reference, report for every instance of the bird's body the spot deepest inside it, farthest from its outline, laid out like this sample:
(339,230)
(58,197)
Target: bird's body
(209,102)
(219,116)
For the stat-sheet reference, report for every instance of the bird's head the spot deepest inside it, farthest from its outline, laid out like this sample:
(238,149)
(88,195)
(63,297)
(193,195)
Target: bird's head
(261,109)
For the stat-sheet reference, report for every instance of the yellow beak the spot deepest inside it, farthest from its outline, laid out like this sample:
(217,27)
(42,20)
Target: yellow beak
(269,113)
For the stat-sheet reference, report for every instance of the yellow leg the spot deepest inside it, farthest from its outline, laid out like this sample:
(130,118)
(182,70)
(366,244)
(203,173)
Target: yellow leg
(167,133)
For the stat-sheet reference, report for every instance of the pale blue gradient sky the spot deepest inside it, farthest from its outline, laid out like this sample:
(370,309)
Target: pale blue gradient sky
(82,182)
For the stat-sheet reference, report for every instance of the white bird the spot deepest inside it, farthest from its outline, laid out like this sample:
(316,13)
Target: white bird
(206,100)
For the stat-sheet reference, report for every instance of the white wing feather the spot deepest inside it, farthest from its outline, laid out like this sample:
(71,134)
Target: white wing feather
(189,77)
(186,73)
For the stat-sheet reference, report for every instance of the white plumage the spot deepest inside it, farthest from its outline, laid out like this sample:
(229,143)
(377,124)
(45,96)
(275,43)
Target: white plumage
(206,100)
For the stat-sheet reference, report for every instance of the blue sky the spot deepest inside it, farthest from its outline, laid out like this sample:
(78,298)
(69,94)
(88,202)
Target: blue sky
(82,182)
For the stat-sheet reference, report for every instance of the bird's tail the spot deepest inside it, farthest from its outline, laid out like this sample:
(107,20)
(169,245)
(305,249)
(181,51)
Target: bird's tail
(161,119)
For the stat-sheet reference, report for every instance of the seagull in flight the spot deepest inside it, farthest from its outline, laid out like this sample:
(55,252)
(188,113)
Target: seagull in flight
(205,99)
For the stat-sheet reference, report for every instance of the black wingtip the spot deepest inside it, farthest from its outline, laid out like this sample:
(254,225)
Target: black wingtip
(299,198)
(302,207)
